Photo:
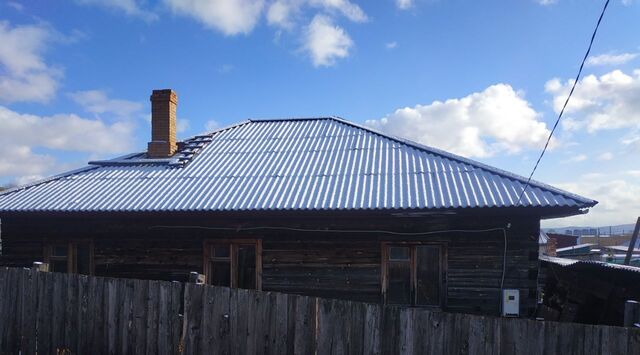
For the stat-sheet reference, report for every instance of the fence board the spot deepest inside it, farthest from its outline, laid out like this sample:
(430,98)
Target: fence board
(85,323)
(28,312)
(371,330)
(54,313)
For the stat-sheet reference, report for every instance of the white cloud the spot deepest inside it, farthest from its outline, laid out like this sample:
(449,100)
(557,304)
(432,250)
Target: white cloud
(24,75)
(546,2)
(280,13)
(128,7)
(225,68)
(576,158)
(15,5)
(391,45)
(326,42)
(634,173)
(284,13)
(497,119)
(632,139)
(230,17)
(606,156)
(404,4)
(23,134)
(97,102)
(598,103)
(182,124)
(64,132)
(21,161)
(350,10)
(211,125)
(617,196)
(611,59)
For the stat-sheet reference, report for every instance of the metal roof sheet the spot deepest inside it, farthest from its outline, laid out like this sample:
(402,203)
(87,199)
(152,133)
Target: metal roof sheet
(588,264)
(287,164)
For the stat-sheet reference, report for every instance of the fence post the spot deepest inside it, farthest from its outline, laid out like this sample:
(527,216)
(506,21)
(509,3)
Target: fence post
(40,266)
(631,313)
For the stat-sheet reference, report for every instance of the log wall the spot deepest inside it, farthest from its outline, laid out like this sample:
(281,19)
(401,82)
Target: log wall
(344,265)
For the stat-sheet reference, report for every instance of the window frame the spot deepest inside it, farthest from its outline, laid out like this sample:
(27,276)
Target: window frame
(412,245)
(72,254)
(233,243)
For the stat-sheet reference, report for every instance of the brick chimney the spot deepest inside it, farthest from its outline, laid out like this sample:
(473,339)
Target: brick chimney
(163,124)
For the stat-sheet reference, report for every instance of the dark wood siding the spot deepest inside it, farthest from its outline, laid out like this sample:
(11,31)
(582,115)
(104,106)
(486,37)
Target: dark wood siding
(334,268)
(344,265)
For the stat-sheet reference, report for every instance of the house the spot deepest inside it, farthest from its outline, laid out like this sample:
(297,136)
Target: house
(587,291)
(563,240)
(546,245)
(314,206)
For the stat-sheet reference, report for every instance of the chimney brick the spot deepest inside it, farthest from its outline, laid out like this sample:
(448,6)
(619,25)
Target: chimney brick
(163,124)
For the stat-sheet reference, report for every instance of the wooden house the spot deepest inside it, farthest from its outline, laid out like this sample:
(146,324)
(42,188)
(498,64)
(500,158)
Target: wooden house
(314,206)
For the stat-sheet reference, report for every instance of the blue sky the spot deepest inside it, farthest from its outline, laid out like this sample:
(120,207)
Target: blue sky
(482,79)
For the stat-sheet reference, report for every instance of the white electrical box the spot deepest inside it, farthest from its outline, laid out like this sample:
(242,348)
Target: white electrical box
(510,303)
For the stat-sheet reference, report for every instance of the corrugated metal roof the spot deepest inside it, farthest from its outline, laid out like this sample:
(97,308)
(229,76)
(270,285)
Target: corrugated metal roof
(588,264)
(288,164)
(543,238)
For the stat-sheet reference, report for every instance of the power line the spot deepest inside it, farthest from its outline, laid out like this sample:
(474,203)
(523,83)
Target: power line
(593,36)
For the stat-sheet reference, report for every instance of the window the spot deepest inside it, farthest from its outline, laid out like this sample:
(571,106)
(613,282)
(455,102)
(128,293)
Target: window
(412,274)
(73,257)
(233,263)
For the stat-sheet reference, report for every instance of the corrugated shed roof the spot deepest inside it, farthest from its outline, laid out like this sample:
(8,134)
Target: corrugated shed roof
(589,264)
(288,164)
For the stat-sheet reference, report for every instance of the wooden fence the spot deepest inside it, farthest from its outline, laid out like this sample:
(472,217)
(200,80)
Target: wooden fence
(59,313)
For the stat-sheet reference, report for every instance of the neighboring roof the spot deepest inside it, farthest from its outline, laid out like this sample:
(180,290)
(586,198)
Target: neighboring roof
(589,264)
(543,238)
(288,164)
(580,249)
(621,248)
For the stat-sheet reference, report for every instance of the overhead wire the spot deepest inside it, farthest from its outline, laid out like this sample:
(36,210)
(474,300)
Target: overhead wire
(573,87)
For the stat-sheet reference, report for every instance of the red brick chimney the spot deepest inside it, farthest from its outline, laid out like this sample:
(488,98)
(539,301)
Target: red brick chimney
(163,124)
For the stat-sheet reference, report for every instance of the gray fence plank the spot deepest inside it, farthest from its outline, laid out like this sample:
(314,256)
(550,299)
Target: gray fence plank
(28,312)
(152,317)
(192,318)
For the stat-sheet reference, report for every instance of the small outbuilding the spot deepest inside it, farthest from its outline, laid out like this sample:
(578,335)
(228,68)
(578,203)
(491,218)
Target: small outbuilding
(313,206)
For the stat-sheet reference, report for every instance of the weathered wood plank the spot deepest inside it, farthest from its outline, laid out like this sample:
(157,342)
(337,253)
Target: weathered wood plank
(281,326)
(371,330)
(11,318)
(305,325)
(85,320)
(125,310)
(152,317)
(191,337)
(111,290)
(164,319)
(138,338)
(406,331)
(28,312)
(177,304)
